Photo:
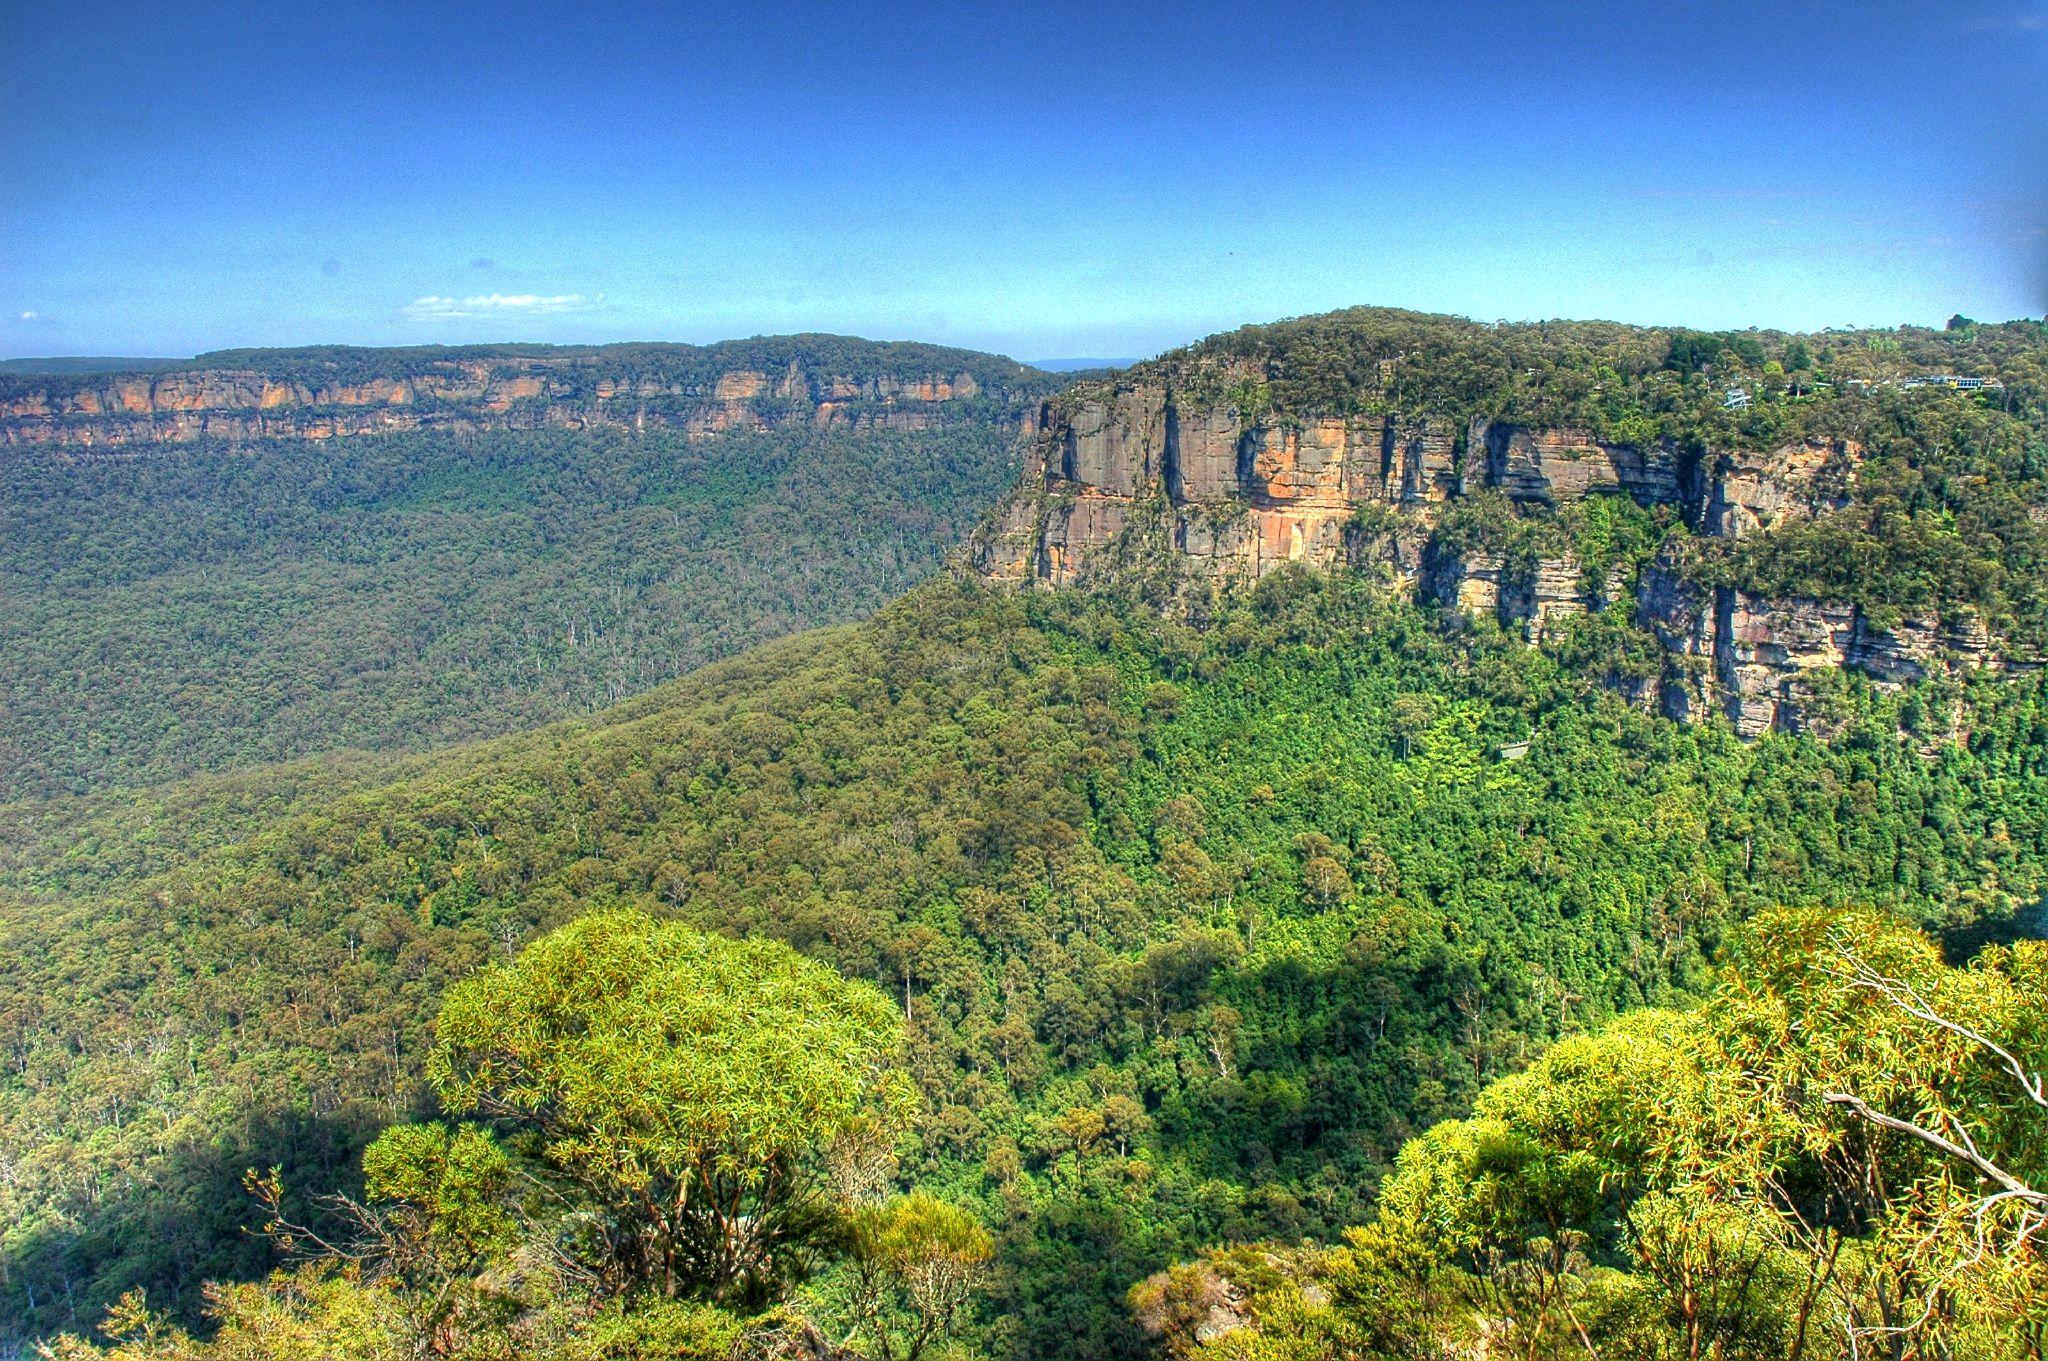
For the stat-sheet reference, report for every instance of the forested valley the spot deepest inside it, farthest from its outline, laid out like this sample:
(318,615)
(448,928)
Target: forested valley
(1042,974)
(209,607)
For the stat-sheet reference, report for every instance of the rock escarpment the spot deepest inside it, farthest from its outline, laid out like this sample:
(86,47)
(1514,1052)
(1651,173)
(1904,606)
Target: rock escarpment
(1139,475)
(316,395)
(1234,497)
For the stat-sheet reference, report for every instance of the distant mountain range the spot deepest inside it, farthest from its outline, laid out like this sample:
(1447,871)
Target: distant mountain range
(623,515)
(70,364)
(1078,365)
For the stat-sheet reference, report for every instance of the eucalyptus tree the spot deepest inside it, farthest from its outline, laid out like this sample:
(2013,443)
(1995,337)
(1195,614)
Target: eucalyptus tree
(708,1107)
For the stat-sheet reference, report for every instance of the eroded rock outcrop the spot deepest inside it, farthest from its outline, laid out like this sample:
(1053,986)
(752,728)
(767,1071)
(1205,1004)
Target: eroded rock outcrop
(1234,496)
(1139,474)
(1752,491)
(585,390)
(1554,466)
(1754,658)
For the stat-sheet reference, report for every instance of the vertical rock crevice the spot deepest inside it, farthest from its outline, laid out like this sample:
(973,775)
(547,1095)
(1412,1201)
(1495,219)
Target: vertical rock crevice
(1241,497)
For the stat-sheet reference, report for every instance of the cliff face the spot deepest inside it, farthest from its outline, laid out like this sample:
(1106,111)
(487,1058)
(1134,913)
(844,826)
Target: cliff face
(1139,474)
(1239,497)
(692,389)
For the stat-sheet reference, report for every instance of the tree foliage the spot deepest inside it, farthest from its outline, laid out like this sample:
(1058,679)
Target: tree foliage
(1143,1013)
(1836,1156)
(693,1089)
(213,606)
(1231,939)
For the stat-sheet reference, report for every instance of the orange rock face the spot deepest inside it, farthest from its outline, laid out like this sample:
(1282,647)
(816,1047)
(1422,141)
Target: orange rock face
(1240,498)
(741,385)
(135,411)
(1132,473)
(1302,466)
(1759,491)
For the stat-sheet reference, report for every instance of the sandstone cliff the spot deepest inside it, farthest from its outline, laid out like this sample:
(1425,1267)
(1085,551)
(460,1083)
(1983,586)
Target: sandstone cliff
(323,394)
(1142,474)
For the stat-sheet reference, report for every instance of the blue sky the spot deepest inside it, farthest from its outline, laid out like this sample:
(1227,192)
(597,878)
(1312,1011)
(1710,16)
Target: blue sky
(1044,180)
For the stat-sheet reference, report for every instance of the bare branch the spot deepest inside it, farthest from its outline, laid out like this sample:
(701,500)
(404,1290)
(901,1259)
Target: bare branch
(1863,1110)
(1907,998)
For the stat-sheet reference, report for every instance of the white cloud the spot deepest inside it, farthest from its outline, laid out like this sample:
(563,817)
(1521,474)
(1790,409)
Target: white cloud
(31,316)
(435,307)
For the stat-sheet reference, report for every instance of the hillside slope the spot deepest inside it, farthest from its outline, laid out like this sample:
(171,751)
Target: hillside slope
(1201,891)
(301,551)
(1191,930)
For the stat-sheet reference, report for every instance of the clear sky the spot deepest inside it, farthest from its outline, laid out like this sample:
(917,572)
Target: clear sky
(1044,179)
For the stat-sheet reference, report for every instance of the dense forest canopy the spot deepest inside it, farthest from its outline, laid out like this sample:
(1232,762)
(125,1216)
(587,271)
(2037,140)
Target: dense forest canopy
(1189,930)
(205,606)
(1839,1154)
(1622,381)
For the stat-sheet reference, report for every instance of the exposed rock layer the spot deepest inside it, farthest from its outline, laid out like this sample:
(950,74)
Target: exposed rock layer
(1132,475)
(461,394)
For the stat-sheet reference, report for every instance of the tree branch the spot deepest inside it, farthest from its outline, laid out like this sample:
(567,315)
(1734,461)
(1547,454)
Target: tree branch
(1991,1170)
(1907,998)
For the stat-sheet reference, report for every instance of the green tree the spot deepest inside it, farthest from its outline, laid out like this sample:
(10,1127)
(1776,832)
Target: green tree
(916,1263)
(1409,717)
(421,1242)
(1838,1156)
(712,1099)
